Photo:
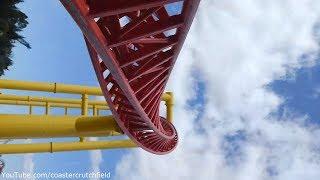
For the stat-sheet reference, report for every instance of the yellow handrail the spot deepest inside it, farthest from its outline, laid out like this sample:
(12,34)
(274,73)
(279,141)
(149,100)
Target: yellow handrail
(45,126)
(64,146)
(49,87)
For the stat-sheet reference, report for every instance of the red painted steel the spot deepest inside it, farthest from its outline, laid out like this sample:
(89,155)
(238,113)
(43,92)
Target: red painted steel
(133,45)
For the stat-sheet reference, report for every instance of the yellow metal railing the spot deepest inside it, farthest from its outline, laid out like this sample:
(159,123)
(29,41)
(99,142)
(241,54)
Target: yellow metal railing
(52,102)
(60,102)
(49,87)
(45,126)
(64,146)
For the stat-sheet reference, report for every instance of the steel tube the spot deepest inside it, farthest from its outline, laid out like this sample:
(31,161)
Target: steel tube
(48,99)
(169,104)
(55,87)
(47,126)
(64,146)
(43,104)
(49,87)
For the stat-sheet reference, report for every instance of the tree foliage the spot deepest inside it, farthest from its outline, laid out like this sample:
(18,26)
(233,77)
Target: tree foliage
(12,22)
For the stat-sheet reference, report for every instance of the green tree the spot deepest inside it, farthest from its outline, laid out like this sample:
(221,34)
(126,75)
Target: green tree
(12,22)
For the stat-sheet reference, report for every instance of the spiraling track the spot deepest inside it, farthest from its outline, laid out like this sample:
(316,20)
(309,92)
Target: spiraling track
(133,45)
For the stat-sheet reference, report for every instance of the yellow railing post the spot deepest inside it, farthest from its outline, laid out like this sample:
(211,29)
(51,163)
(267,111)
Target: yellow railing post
(32,126)
(169,103)
(65,110)
(30,109)
(54,102)
(81,139)
(47,108)
(84,105)
(84,110)
(94,110)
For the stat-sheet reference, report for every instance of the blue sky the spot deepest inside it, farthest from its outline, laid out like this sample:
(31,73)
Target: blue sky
(241,85)
(58,54)
(301,93)
(242,64)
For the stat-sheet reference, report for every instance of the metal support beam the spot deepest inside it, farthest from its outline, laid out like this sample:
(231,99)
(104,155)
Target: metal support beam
(50,87)
(48,99)
(64,146)
(84,110)
(84,105)
(104,8)
(30,109)
(94,111)
(149,30)
(47,108)
(46,126)
(65,110)
(169,104)
(43,104)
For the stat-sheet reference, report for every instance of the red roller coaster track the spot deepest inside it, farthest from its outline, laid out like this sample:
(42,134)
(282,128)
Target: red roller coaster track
(133,45)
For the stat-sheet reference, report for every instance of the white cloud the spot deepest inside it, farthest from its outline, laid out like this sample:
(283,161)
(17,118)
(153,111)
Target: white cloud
(95,155)
(239,47)
(95,158)
(28,164)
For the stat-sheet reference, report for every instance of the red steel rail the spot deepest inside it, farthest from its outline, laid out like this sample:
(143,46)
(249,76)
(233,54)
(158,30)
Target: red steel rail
(133,45)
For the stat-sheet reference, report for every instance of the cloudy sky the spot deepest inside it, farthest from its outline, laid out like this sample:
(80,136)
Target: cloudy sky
(247,88)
